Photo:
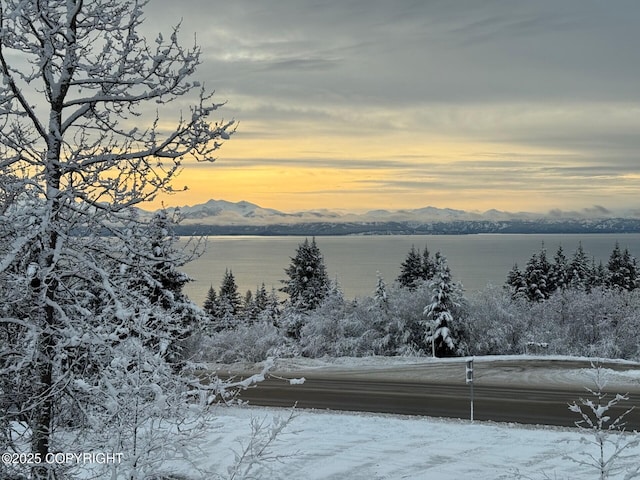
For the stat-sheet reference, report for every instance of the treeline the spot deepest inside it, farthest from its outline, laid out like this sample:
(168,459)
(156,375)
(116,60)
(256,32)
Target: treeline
(228,309)
(542,277)
(415,315)
(562,306)
(454,227)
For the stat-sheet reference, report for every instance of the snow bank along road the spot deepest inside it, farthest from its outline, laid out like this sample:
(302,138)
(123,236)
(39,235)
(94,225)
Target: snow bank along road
(533,390)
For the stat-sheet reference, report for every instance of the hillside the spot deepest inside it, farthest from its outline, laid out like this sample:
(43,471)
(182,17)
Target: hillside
(220,217)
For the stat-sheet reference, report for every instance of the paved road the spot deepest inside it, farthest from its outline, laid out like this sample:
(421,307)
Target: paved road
(533,392)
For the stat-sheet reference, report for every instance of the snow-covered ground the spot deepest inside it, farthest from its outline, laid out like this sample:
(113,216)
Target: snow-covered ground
(340,445)
(622,375)
(329,445)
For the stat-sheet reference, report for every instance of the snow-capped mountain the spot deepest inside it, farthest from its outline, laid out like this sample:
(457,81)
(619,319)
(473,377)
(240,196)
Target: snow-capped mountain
(221,217)
(222,212)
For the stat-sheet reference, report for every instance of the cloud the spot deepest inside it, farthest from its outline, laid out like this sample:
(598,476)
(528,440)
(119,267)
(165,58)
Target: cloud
(597,210)
(425,51)
(538,96)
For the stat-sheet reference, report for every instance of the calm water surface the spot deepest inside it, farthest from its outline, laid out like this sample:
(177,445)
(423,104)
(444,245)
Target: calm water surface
(475,260)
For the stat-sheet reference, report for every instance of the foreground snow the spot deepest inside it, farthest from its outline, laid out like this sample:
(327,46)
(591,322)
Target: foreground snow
(347,445)
(331,445)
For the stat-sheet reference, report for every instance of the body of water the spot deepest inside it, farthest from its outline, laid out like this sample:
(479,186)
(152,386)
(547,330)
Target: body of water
(475,260)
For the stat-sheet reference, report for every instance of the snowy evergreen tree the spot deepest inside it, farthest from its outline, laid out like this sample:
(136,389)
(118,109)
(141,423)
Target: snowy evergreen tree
(428,265)
(211,304)
(631,265)
(412,270)
(308,282)
(597,276)
(579,269)
(380,293)
(559,271)
(616,275)
(229,301)
(621,269)
(439,314)
(250,309)
(229,294)
(272,309)
(516,283)
(89,307)
(261,298)
(162,283)
(537,277)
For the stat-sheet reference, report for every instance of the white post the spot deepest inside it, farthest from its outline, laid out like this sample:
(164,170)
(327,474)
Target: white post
(469,380)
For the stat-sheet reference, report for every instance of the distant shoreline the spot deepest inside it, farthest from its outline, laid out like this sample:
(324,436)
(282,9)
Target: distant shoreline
(456,227)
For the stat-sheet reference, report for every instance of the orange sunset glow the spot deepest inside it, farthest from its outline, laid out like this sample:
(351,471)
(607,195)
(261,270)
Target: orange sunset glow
(394,107)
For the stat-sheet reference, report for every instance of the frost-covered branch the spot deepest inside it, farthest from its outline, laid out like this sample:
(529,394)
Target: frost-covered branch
(91,300)
(616,451)
(252,459)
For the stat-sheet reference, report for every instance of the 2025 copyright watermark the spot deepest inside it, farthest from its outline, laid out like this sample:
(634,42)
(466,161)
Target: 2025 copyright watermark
(60,458)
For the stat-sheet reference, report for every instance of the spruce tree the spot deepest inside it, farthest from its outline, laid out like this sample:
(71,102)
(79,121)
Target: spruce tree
(631,266)
(308,282)
(559,274)
(250,308)
(538,277)
(162,283)
(211,305)
(622,270)
(616,269)
(579,269)
(597,276)
(380,293)
(446,295)
(412,270)
(229,301)
(516,283)
(272,308)
(261,298)
(428,265)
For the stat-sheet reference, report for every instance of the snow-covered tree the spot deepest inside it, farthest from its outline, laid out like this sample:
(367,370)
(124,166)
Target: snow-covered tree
(76,77)
(537,276)
(579,269)
(412,269)
(611,452)
(621,269)
(597,275)
(494,323)
(211,305)
(380,293)
(229,299)
(559,270)
(428,265)
(446,295)
(162,282)
(516,282)
(308,282)
(322,329)
(272,309)
(261,298)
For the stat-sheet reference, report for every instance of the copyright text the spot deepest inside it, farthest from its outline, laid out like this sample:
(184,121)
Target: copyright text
(61,458)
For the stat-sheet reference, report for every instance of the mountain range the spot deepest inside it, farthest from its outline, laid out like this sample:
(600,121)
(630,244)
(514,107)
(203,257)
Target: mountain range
(221,217)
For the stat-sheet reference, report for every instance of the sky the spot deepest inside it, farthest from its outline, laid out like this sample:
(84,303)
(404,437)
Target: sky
(368,104)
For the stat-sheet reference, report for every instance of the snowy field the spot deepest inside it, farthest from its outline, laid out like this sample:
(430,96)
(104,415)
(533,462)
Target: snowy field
(343,445)
(334,445)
